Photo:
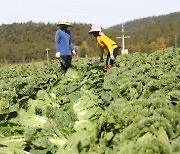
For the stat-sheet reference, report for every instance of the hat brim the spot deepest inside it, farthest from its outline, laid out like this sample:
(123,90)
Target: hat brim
(90,32)
(61,24)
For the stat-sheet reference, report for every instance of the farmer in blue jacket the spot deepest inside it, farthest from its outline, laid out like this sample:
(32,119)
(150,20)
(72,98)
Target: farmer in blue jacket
(64,47)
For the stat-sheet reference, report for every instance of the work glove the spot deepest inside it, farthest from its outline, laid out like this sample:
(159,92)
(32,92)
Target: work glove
(101,60)
(74,53)
(112,57)
(58,54)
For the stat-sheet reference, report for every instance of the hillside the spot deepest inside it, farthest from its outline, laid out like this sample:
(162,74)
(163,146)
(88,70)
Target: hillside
(151,33)
(28,41)
(149,21)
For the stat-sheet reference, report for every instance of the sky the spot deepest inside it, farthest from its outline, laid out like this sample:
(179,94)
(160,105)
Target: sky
(105,13)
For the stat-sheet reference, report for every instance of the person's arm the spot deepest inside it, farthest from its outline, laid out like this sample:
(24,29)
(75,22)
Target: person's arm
(57,44)
(57,41)
(72,48)
(101,52)
(71,45)
(98,39)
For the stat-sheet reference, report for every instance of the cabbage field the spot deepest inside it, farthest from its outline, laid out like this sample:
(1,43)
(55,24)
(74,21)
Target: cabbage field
(133,108)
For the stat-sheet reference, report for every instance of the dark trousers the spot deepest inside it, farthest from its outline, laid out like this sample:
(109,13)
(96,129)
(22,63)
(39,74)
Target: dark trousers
(65,62)
(110,61)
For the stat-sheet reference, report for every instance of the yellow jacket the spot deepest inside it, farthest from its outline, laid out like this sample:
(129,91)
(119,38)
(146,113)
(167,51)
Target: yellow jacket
(105,43)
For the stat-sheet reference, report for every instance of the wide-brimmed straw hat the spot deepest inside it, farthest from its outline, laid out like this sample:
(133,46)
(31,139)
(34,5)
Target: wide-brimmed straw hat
(95,28)
(64,22)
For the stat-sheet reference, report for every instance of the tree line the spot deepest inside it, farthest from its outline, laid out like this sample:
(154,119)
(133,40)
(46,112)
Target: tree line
(29,41)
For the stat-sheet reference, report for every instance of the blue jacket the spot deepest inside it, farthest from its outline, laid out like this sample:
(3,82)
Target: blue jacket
(63,42)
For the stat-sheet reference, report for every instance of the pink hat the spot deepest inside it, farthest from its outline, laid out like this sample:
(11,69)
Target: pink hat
(95,28)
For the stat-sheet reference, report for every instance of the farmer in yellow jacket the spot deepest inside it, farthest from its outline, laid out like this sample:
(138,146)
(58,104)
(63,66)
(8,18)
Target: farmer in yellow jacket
(105,43)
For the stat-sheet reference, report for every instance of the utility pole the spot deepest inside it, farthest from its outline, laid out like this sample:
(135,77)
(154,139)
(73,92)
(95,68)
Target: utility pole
(47,53)
(123,51)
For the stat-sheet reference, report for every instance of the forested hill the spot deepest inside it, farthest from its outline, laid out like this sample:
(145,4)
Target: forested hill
(149,21)
(152,33)
(29,41)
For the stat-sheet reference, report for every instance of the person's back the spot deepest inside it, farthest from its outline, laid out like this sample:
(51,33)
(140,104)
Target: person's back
(63,42)
(106,43)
